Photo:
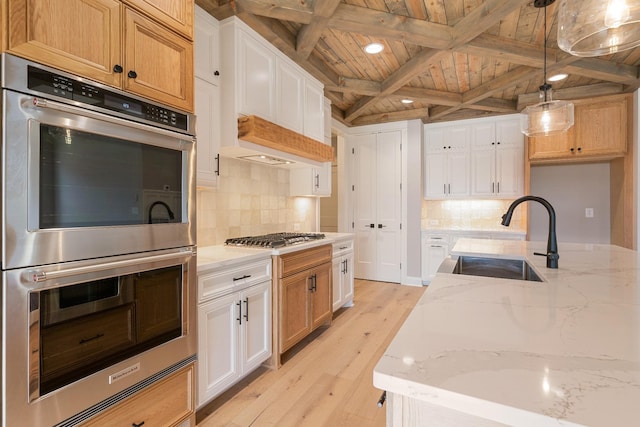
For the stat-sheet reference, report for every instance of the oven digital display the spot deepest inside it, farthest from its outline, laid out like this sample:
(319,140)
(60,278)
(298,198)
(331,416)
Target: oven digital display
(120,104)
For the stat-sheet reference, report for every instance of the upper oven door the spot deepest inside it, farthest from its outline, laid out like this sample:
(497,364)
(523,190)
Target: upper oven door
(78,184)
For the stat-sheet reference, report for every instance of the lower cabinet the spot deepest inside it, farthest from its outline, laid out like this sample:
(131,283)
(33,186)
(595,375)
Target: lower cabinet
(342,266)
(234,326)
(168,402)
(304,296)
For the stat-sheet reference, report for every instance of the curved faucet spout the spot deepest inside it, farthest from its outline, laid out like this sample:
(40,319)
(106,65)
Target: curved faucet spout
(552,243)
(166,206)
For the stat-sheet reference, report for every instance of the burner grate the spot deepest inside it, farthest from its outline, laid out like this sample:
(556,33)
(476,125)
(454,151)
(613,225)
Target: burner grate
(274,240)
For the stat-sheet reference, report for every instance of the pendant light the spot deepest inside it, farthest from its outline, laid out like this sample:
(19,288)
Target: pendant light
(598,27)
(547,117)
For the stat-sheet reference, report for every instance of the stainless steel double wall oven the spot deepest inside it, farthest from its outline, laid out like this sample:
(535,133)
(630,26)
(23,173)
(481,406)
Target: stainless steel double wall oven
(98,244)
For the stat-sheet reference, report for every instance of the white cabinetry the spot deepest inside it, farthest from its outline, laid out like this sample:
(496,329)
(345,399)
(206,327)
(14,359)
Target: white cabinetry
(477,158)
(342,273)
(314,181)
(497,158)
(446,161)
(260,80)
(234,325)
(207,98)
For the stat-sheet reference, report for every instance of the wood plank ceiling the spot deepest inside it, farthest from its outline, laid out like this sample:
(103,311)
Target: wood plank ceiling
(455,59)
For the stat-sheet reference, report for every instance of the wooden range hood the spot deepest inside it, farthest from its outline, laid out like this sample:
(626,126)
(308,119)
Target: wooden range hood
(267,134)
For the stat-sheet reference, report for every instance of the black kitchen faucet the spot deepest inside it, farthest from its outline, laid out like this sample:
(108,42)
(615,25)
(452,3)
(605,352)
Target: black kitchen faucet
(552,243)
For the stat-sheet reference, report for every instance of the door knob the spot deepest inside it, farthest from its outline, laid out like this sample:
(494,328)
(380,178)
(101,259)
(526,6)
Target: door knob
(382,226)
(372,226)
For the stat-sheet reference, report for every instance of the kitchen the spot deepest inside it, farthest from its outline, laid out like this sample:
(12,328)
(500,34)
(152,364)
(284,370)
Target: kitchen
(263,204)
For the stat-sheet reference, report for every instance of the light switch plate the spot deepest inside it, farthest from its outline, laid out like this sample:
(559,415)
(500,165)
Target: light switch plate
(588,212)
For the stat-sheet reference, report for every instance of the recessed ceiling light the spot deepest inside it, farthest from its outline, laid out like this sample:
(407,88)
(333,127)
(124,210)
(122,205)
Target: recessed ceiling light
(407,101)
(374,48)
(558,77)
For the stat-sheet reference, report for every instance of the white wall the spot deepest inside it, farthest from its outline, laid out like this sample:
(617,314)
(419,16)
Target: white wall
(570,189)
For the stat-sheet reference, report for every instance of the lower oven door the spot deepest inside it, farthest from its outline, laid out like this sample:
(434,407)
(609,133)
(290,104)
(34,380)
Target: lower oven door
(79,333)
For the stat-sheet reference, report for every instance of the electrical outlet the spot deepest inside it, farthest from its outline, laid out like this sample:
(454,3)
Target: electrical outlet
(588,212)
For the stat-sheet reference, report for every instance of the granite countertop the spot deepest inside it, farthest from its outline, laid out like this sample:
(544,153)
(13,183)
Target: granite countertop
(498,229)
(216,256)
(563,352)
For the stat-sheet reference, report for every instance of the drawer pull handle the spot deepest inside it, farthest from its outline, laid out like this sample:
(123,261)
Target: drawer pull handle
(137,425)
(343,247)
(239,318)
(246,309)
(246,276)
(86,340)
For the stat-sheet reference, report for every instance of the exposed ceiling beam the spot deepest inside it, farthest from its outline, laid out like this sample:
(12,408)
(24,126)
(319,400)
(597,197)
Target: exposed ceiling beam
(472,25)
(414,113)
(288,10)
(600,89)
(309,34)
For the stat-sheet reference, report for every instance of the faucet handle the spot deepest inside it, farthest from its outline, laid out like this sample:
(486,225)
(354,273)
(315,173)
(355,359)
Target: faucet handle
(550,255)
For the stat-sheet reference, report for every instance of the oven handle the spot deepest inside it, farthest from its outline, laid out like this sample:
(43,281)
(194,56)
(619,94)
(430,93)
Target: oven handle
(37,276)
(34,102)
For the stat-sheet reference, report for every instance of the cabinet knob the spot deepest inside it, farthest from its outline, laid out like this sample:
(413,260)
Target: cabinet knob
(117,68)
(579,148)
(132,74)
(572,149)
(216,73)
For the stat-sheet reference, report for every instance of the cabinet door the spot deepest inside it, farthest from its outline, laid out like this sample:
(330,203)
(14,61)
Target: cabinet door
(553,146)
(483,171)
(509,171)
(322,301)
(208,131)
(256,326)
(78,36)
(314,110)
(158,63)
(255,78)
(337,267)
(435,175)
(295,323)
(435,254)
(175,14)
(601,128)
(218,361)
(347,279)
(458,173)
(289,96)
(207,48)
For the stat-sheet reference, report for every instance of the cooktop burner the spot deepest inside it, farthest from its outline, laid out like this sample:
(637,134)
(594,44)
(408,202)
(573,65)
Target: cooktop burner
(274,240)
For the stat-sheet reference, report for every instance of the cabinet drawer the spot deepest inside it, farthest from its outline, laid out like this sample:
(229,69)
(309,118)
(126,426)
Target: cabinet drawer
(228,279)
(71,345)
(165,403)
(341,248)
(302,260)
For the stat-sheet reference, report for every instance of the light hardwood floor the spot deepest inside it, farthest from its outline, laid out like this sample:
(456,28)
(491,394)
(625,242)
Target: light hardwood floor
(326,380)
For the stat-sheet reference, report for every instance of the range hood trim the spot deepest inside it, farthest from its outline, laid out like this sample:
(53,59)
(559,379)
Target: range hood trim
(266,134)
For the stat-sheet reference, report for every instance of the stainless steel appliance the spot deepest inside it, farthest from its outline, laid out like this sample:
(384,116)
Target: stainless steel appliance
(98,244)
(274,240)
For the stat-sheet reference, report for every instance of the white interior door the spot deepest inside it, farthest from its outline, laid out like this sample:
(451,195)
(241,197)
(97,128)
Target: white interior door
(378,206)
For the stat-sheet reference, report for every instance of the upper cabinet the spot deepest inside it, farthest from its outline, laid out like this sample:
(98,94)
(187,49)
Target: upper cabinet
(600,132)
(446,161)
(477,158)
(261,81)
(141,46)
(497,158)
(207,98)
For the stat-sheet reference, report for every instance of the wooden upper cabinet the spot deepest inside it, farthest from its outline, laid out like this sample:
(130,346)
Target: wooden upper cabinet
(600,132)
(601,127)
(78,36)
(106,41)
(162,62)
(175,14)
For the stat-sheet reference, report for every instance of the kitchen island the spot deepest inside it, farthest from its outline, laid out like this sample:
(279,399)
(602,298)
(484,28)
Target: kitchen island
(486,351)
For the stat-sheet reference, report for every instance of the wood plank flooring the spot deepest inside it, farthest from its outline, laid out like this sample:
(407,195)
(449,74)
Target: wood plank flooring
(326,380)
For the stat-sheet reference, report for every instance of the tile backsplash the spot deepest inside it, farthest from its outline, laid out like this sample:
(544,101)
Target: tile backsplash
(251,199)
(470,214)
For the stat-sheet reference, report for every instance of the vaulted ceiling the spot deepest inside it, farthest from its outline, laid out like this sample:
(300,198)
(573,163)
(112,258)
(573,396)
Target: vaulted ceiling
(455,59)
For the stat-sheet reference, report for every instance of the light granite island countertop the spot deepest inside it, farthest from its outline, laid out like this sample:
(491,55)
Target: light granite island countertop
(481,351)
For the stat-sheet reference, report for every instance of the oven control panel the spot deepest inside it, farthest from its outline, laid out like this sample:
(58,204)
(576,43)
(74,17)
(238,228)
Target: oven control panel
(80,91)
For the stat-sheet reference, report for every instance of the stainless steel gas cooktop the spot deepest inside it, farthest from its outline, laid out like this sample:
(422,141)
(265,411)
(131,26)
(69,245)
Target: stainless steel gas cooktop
(274,240)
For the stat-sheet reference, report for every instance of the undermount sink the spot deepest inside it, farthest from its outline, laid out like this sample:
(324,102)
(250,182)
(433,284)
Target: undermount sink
(496,267)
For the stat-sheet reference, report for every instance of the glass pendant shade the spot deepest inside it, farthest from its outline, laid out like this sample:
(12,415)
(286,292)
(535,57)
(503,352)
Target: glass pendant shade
(547,118)
(598,27)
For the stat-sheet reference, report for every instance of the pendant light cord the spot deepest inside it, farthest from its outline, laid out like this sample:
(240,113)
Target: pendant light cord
(545,54)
